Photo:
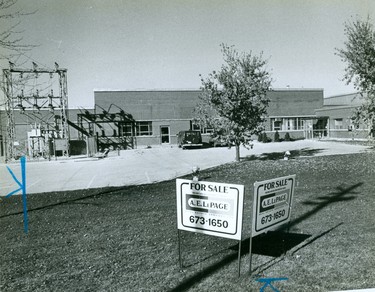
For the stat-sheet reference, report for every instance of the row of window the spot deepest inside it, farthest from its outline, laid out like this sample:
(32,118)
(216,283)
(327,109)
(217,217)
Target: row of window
(285,124)
(338,123)
(203,130)
(144,128)
(139,129)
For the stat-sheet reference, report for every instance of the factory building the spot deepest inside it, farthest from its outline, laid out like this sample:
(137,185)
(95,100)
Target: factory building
(160,114)
(134,119)
(338,111)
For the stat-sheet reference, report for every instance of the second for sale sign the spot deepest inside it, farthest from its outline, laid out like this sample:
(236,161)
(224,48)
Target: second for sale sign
(272,203)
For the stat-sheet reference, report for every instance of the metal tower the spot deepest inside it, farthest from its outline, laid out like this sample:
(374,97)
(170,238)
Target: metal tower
(40,96)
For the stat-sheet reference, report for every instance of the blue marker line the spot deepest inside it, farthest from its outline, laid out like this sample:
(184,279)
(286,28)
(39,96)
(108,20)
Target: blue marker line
(267,282)
(16,180)
(23,189)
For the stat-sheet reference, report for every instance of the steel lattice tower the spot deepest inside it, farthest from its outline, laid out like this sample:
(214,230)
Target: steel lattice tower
(27,92)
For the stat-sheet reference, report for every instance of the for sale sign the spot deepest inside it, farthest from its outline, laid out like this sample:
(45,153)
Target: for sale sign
(272,203)
(210,208)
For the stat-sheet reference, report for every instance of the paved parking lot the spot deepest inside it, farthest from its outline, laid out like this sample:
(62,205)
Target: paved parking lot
(142,166)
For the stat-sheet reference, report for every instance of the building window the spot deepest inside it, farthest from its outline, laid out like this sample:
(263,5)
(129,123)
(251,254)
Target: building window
(126,129)
(277,124)
(143,128)
(300,124)
(285,124)
(338,123)
(291,124)
(198,127)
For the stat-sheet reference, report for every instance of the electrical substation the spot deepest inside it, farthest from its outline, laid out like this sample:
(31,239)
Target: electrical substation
(37,97)
(36,120)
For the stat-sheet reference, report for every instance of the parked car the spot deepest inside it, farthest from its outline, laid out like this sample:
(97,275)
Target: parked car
(218,142)
(189,139)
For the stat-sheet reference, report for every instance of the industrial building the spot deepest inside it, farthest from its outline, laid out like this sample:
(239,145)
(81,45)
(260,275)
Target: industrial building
(156,116)
(337,111)
(43,125)
(160,114)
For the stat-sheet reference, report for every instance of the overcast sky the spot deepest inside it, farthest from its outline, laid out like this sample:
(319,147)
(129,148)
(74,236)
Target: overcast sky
(149,44)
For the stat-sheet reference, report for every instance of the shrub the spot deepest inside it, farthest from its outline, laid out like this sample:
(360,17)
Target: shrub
(287,136)
(277,137)
(266,139)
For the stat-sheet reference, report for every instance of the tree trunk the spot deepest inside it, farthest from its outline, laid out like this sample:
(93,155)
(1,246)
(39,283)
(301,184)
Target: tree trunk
(237,152)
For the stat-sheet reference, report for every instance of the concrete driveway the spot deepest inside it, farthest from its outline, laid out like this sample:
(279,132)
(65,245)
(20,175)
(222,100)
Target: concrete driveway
(141,166)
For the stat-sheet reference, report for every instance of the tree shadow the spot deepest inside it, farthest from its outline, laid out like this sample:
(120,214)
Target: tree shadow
(280,155)
(276,243)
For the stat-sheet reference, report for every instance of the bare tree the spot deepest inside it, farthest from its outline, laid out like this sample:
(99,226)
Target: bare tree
(11,40)
(12,48)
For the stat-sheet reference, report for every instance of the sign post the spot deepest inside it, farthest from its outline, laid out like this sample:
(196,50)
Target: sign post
(272,205)
(210,208)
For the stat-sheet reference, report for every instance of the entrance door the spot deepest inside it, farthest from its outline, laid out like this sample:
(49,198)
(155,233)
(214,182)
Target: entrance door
(164,133)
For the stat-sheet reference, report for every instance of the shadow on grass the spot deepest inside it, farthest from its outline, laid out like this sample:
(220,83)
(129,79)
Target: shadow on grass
(280,155)
(341,195)
(188,283)
(272,243)
(265,244)
(67,201)
(92,194)
(309,240)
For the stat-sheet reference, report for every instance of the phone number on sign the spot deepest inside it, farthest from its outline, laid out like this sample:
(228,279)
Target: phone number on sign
(272,217)
(211,222)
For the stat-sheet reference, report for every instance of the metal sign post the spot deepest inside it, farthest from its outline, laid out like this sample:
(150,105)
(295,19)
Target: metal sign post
(239,258)
(250,253)
(179,249)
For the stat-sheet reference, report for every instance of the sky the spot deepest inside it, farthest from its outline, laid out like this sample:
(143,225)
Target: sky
(166,44)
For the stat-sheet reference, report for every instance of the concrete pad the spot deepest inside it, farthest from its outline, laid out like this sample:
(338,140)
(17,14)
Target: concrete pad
(142,166)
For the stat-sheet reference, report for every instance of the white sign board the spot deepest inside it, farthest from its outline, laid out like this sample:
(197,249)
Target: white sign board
(210,208)
(272,203)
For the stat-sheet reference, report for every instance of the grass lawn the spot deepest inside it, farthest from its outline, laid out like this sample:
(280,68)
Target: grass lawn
(125,239)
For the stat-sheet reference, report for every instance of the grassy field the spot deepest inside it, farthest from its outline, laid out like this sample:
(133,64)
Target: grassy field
(125,239)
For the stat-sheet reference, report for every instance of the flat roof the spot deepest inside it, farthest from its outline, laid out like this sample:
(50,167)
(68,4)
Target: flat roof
(192,89)
(144,89)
